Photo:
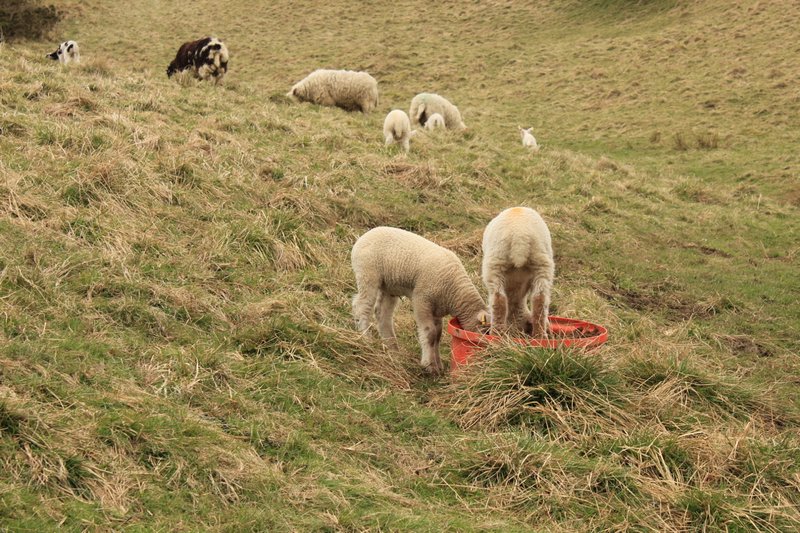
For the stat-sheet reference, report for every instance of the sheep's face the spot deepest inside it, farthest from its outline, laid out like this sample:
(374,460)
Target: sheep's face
(484,323)
(294,94)
(523,132)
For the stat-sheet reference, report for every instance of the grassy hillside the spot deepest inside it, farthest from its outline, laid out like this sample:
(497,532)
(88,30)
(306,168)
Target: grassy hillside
(176,347)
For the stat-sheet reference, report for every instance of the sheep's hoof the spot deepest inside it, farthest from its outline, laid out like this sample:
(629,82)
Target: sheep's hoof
(434,370)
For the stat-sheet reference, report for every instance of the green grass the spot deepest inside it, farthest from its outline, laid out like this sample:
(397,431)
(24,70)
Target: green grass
(176,345)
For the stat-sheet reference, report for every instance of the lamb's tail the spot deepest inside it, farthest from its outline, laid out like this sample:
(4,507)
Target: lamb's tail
(521,250)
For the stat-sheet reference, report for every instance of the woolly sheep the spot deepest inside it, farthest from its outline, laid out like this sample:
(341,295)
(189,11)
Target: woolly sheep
(389,263)
(517,268)
(528,140)
(347,89)
(426,104)
(434,121)
(397,128)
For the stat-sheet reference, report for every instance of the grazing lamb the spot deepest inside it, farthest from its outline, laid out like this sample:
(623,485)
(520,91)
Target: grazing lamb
(426,104)
(434,121)
(389,263)
(67,52)
(347,89)
(518,267)
(206,58)
(397,128)
(528,140)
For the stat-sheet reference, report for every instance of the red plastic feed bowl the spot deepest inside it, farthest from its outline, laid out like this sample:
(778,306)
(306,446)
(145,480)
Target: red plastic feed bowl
(466,343)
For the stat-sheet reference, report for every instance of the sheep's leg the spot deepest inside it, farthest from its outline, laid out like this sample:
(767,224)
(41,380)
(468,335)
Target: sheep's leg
(539,322)
(406,145)
(384,311)
(429,330)
(498,306)
(364,305)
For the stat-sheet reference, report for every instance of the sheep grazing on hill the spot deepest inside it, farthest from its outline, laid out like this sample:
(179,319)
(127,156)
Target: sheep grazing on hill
(517,268)
(528,140)
(206,58)
(67,52)
(434,121)
(347,89)
(397,129)
(426,104)
(389,263)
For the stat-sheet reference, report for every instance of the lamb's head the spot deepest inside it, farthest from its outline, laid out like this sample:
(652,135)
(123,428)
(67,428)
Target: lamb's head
(55,55)
(523,131)
(478,322)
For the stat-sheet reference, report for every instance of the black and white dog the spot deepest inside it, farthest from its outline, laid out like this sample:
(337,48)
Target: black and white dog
(67,52)
(207,59)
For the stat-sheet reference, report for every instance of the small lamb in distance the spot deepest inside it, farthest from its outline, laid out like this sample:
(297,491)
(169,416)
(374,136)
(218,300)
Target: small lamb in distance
(434,121)
(397,128)
(389,263)
(528,140)
(67,52)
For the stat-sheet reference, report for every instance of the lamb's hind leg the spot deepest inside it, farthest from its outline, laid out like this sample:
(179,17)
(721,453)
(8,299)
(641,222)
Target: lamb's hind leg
(540,305)
(364,305)
(384,311)
(498,307)
(429,330)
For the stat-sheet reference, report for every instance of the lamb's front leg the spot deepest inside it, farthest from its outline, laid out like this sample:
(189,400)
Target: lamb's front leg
(429,330)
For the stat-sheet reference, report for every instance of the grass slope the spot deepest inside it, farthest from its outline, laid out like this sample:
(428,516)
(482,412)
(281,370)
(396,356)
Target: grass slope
(176,350)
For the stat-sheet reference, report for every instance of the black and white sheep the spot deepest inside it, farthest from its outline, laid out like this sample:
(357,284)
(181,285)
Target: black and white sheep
(424,105)
(389,263)
(346,89)
(67,52)
(206,58)
(518,268)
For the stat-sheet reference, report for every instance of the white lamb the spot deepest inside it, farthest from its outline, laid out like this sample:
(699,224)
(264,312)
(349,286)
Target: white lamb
(517,268)
(528,140)
(434,121)
(426,104)
(389,263)
(397,128)
(347,89)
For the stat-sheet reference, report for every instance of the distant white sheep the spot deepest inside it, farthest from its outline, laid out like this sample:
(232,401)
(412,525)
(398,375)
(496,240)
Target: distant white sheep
(434,121)
(397,128)
(67,52)
(518,268)
(528,140)
(347,89)
(389,263)
(426,104)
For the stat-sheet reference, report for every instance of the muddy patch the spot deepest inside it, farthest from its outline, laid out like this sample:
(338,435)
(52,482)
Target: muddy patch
(744,345)
(665,297)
